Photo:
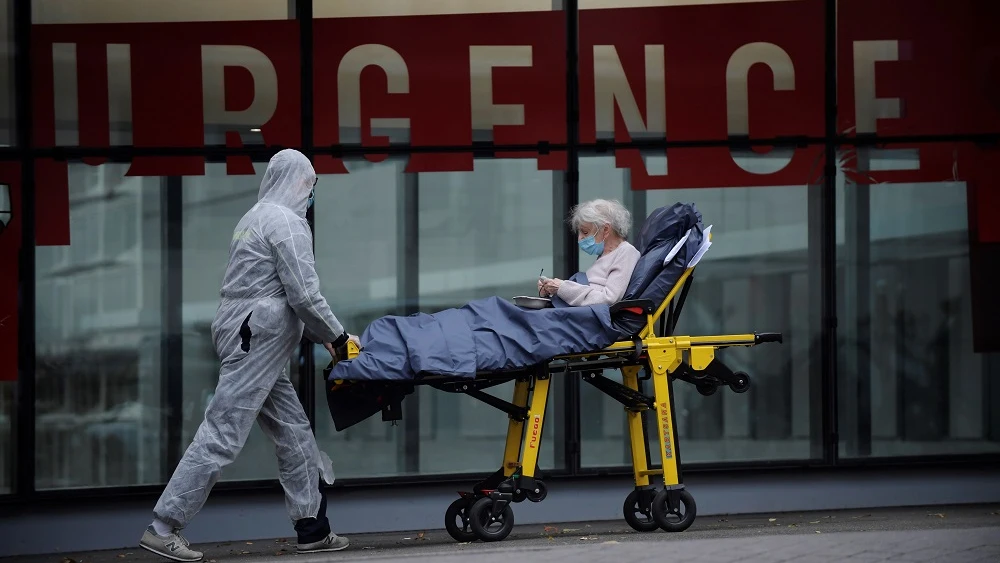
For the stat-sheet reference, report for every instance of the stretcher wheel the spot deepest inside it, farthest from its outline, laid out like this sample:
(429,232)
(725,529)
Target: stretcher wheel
(674,518)
(742,382)
(456,520)
(538,494)
(638,519)
(485,526)
(707,389)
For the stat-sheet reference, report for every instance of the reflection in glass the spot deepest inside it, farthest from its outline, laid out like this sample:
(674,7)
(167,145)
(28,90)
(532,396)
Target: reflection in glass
(482,233)
(754,278)
(7,456)
(356,259)
(910,383)
(394,243)
(98,336)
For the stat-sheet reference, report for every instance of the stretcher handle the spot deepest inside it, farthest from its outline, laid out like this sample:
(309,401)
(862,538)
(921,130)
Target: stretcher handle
(763,337)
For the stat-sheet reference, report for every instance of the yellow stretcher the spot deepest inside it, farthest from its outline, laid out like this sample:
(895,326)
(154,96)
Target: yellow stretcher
(485,512)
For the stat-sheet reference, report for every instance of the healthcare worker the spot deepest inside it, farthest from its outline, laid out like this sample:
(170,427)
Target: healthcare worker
(270,295)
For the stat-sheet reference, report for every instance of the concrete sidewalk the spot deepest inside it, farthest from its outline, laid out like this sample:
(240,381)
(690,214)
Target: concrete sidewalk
(953,534)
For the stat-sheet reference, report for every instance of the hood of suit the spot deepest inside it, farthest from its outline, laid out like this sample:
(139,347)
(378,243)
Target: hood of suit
(287,181)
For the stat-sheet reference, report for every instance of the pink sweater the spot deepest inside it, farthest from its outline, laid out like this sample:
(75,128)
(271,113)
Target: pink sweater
(608,278)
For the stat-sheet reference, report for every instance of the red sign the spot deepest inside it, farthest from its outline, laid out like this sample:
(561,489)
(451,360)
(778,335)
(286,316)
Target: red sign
(10,246)
(925,67)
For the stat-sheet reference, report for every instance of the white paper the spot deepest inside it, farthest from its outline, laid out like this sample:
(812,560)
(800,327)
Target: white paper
(677,248)
(705,243)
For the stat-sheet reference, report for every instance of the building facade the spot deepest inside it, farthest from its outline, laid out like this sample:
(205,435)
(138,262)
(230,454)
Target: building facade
(841,149)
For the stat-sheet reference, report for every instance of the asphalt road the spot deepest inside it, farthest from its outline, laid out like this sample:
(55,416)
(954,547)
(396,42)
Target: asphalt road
(954,534)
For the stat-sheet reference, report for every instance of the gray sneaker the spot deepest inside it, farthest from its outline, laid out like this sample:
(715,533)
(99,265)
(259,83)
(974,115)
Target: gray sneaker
(171,546)
(332,542)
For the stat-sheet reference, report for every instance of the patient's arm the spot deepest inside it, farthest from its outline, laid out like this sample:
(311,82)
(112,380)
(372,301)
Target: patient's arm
(619,275)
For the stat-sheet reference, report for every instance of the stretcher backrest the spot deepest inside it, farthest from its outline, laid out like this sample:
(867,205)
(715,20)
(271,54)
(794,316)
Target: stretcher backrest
(659,236)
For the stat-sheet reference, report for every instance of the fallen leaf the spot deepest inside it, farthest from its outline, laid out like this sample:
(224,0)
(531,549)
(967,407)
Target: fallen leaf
(815,522)
(249,543)
(570,530)
(121,556)
(938,514)
(818,532)
(68,560)
(420,536)
(279,553)
(551,529)
(609,542)
(551,538)
(771,519)
(586,538)
(793,525)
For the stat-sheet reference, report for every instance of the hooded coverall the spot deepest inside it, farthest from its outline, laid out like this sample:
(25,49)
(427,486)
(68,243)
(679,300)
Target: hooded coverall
(270,296)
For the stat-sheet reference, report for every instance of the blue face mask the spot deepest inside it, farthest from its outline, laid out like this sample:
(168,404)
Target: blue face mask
(312,197)
(591,247)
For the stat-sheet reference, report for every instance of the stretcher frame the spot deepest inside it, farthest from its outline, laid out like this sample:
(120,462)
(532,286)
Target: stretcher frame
(485,512)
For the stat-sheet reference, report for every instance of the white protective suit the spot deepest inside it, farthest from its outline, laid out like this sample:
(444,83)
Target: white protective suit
(270,288)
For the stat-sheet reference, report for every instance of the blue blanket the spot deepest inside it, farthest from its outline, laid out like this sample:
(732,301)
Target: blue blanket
(489,334)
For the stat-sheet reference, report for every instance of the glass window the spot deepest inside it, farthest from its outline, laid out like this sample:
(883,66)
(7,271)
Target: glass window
(917,370)
(125,360)
(431,241)
(7,456)
(755,277)
(99,322)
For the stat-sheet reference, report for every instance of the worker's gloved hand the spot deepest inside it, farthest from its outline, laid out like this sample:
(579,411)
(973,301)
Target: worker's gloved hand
(329,348)
(341,352)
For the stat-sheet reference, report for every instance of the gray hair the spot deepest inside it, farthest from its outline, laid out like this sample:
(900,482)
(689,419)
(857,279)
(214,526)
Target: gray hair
(601,212)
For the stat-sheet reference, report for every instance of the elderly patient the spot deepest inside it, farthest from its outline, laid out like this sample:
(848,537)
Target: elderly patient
(602,227)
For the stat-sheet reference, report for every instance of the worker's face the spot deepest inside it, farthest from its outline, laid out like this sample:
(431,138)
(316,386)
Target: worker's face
(312,192)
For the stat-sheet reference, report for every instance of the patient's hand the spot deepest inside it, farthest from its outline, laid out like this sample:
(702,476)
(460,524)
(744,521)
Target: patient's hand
(551,286)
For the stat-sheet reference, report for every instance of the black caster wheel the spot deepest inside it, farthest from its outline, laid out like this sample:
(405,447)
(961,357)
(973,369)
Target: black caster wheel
(487,527)
(520,495)
(707,389)
(537,494)
(674,518)
(456,520)
(638,519)
(742,383)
